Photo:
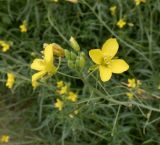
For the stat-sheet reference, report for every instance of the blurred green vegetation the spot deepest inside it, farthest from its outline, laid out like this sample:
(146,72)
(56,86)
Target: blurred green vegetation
(106,116)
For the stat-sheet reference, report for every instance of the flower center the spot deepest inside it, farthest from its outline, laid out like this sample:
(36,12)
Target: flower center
(106,60)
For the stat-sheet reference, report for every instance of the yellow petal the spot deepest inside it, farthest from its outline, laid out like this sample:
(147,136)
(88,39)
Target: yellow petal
(48,54)
(110,47)
(105,73)
(38,64)
(96,55)
(38,75)
(118,66)
(35,84)
(10,80)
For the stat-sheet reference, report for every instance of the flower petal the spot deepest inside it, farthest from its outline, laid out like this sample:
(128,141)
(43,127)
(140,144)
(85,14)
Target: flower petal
(118,66)
(105,73)
(48,54)
(38,64)
(38,75)
(110,47)
(96,55)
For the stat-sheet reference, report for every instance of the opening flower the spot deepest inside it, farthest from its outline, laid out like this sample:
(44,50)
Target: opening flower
(138,2)
(72,96)
(43,66)
(10,80)
(4,45)
(57,49)
(104,58)
(121,23)
(23,27)
(4,139)
(59,104)
(113,10)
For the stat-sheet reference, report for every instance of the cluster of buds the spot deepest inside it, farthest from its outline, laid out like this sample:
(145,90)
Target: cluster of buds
(75,59)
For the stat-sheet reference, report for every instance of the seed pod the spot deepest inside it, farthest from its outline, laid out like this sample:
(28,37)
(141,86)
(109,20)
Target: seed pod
(74,44)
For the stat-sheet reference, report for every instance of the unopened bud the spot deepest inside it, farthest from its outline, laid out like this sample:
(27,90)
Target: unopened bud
(67,54)
(71,64)
(74,44)
(73,55)
(82,62)
(73,1)
(57,49)
(82,54)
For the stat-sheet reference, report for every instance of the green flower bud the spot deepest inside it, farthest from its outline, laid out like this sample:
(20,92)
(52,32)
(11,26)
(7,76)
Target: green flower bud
(82,62)
(77,62)
(82,54)
(73,55)
(67,54)
(71,64)
(74,44)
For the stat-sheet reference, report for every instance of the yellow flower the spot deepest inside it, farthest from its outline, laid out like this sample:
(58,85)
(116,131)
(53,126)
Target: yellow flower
(5,138)
(104,58)
(72,96)
(44,66)
(133,83)
(137,2)
(63,90)
(23,27)
(60,84)
(10,80)
(59,104)
(121,23)
(130,96)
(4,45)
(113,10)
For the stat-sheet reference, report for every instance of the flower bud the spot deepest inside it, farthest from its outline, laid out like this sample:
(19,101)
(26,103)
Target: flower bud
(73,55)
(67,54)
(73,1)
(82,54)
(71,64)
(74,44)
(82,62)
(57,49)
(77,63)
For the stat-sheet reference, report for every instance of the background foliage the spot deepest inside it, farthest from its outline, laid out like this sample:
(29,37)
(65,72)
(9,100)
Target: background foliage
(106,116)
